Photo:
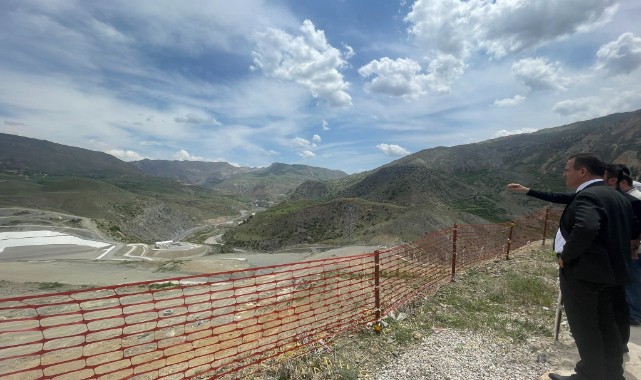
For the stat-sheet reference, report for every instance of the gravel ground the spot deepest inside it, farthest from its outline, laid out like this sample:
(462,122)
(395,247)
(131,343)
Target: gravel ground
(458,355)
(462,355)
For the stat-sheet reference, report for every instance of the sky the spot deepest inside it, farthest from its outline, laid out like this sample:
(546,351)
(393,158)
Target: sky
(340,84)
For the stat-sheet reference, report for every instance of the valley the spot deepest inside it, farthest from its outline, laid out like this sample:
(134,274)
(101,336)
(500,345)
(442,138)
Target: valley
(42,251)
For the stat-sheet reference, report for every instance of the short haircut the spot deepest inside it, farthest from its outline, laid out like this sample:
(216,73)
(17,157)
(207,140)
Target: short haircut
(591,162)
(625,174)
(614,171)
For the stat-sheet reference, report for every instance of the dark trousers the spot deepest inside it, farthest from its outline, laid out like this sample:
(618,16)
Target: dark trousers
(621,311)
(588,307)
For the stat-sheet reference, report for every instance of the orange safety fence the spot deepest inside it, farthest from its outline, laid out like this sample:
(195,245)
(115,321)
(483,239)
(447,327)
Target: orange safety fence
(223,325)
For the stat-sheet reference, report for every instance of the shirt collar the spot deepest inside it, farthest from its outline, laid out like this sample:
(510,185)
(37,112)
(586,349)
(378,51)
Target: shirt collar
(586,183)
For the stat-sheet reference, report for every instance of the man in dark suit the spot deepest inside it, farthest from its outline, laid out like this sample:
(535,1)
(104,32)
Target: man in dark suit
(595,231)
(621,307)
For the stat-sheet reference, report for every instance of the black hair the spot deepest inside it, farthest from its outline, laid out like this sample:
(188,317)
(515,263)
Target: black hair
(614,171)
(592,163)
(625,174)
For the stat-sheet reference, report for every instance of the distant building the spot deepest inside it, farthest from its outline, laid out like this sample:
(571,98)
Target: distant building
(163,244)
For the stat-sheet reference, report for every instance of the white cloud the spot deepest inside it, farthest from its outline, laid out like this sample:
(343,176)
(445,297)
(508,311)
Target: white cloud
(538,74)
(607,102)
(404,76)
(514,25)
(125,155)
(191,25)
(183,155)
(302,143)
(509,102)
(316,138)
(574,107)
(442,25)
(349,51)
(141,78)
(400,77)
(307,154)
(392,150)
(108,32)
(621,56)
(194,118)
(443,71)
(305,147)
(457,29)
(308,60)
(505,132)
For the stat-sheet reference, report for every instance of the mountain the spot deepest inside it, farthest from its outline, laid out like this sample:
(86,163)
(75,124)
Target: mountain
(40,156)
(146,200)
(399,201)
(276,181)
(190,172)
(269,184)
(118,197)
(437,187)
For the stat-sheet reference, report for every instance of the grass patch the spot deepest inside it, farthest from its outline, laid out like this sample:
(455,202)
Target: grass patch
(510,301)
(50,285)
(169,266)
(162,285)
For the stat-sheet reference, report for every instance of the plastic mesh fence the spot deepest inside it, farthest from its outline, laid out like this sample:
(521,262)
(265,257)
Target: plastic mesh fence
(223,325)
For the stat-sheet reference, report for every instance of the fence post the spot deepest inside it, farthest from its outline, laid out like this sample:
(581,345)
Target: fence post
(377,292)
(454,232)
(545,223)
(509,241)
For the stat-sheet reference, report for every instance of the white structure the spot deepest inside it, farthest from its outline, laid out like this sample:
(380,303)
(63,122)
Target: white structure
(163,244)
(27,238)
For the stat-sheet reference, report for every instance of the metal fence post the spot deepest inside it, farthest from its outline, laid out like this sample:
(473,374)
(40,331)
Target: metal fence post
(454,232)
(377,292)
(545,223)
(509,241)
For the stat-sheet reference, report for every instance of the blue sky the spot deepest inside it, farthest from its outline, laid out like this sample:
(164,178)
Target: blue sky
(348,85)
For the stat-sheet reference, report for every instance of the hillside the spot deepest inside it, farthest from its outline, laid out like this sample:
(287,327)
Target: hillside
(276,181)
(267,184)
(34,156)
(147,200)
(132,209)
(124,202)
(190,172)
(437,187)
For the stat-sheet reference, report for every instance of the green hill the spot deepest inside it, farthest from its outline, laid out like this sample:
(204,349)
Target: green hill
(437,187)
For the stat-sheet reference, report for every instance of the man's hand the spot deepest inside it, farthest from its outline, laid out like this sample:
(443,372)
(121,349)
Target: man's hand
(517,188)
(560,263)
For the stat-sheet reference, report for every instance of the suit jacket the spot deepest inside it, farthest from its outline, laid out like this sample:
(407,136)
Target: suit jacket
(597,227)
(565,198)
(550,196)
(636,209)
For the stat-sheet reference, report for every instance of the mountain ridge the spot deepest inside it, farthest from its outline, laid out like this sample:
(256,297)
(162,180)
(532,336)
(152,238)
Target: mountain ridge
(401,200)
(440,186)
(142,201)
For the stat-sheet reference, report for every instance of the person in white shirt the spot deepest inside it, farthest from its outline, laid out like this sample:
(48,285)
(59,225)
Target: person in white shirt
(627,184)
